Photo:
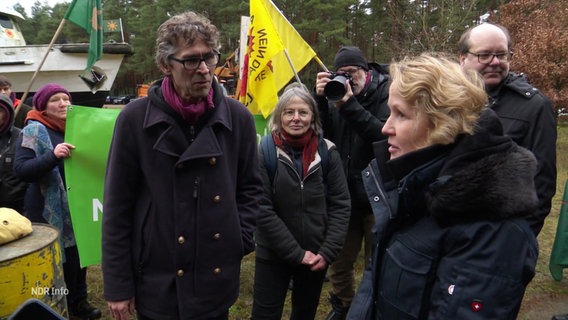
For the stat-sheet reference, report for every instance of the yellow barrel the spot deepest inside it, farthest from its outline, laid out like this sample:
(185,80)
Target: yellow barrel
(31,267)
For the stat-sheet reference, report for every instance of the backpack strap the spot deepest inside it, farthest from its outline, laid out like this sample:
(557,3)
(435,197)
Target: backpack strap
(323,150)
(269,153)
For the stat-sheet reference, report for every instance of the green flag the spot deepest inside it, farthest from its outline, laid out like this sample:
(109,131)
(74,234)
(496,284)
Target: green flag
(90,131)
(114,25)
(88,15)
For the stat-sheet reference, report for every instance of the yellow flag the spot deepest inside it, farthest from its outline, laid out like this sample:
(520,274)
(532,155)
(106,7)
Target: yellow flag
(267,67)
(263,44)
(298,50)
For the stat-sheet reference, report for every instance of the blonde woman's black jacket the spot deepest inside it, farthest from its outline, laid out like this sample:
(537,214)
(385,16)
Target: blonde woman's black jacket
(354,127)
(302,214)
(451,238)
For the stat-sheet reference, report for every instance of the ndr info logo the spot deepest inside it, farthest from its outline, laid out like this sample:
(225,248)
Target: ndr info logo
(49,291)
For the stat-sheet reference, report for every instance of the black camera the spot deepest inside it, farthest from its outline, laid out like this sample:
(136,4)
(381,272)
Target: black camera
(335,89)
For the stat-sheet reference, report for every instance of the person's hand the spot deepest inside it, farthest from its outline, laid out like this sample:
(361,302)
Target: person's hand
(315,261)
(321,80)
(318,263)
(308,258)
(63,150)
(121,310)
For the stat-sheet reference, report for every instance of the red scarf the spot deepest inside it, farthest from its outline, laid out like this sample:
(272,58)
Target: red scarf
(308,141)
(50,122)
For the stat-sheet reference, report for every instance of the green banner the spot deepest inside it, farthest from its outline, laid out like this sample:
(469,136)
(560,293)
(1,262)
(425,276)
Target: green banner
(90,131)
(261,125)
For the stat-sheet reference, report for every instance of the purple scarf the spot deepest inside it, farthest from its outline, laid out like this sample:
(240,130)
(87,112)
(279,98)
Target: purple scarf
(190,112)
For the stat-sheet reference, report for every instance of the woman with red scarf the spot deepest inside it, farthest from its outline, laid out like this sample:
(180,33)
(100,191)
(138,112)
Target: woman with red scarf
(304,214)
(40,152)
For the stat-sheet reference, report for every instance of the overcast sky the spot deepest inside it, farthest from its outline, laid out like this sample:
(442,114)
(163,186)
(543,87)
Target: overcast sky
(28,4)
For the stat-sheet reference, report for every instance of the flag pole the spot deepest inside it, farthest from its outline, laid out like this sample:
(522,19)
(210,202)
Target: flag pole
(292,65)
(315,57)
(55,36)
(321,64)
(121,30)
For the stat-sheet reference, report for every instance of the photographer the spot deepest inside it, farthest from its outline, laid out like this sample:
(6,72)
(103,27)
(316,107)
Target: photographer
(353,122)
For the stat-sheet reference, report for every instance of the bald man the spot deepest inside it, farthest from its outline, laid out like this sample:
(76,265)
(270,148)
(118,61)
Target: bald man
(526,114)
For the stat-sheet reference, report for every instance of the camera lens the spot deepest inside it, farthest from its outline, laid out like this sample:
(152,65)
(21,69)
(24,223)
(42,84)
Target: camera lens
(335,89)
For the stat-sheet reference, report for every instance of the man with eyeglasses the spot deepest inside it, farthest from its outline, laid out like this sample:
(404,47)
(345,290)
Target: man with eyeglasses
(182,187)
(353,123)
(526,114)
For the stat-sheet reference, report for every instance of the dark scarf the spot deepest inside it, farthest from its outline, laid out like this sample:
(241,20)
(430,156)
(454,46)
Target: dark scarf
(50,122)
(190,112)
(308,142)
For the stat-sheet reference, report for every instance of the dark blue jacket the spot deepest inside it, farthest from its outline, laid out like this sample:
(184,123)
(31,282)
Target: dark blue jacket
(450,238)
(33,168)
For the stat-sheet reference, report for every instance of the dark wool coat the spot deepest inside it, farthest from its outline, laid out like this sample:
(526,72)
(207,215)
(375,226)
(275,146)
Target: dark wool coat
(354,127)
(528,118)
(180,207)
(302,214)
(451,238)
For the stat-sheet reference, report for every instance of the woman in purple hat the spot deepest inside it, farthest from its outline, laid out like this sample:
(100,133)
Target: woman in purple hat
(40,151)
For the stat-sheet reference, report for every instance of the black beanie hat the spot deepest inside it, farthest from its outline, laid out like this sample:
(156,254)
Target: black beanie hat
(350,56)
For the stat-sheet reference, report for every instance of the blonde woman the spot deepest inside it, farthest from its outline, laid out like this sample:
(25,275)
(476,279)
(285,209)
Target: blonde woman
(449,193)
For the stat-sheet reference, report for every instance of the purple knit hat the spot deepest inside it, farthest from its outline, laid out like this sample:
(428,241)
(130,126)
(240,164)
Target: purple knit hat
(42,95)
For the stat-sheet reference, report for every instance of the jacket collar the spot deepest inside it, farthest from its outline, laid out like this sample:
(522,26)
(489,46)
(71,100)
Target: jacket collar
(178,138)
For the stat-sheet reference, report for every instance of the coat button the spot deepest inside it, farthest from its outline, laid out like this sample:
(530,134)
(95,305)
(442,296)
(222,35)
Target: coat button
(217,236)
(217,271)
(367,173)
(376,198)
(212,161)
(179,166)
(217,199)
(180,273)
(181,240)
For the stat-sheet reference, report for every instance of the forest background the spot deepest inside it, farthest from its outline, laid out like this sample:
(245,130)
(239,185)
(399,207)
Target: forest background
(383,29)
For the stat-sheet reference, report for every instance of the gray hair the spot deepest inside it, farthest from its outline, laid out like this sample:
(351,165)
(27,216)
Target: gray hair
(291,91)
(184,28)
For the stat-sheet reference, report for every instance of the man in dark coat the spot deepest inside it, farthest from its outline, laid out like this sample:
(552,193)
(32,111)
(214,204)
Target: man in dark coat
(353,122)
(182,187)
(526,114)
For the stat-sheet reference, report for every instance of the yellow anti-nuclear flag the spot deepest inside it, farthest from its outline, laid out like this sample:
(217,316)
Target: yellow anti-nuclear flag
(299,51)
(267,67)
(260,93)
